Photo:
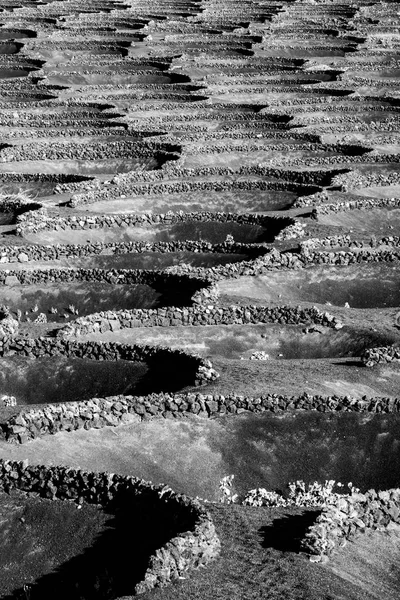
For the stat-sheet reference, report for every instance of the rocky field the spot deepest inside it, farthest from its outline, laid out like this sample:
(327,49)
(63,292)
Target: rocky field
(199,251)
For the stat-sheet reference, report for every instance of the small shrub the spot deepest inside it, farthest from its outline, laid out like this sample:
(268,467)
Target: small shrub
(225,486)
(41,318)
(312,495)
(260,355)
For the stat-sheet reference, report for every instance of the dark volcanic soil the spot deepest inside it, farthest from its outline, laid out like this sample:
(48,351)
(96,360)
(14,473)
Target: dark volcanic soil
(172,132)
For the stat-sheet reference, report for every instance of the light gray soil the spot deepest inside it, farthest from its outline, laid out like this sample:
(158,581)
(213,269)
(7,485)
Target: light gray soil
(198,117)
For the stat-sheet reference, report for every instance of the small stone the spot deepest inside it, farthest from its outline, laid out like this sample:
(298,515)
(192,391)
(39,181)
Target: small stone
(115,325)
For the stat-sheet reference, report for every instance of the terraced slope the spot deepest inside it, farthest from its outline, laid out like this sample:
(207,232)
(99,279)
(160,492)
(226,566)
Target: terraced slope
(220,179)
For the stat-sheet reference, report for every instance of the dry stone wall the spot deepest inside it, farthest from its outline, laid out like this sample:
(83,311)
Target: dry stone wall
(41,220)
(197,370)
(346,241)
(116,410)
(262,264)
(197,315)
(16,203)
(349,515)
(8,329)
(194,541)
(384,354)
(183,179)
(362,203)
(340,258)
(88,151)
(32,252)
(300,135)
(186,288)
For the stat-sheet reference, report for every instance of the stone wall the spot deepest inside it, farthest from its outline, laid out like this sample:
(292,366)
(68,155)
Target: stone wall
(116,410)
(335,258)
(8,327)
(193,542)
(95,150)
(262,264)
(346,241)
(181,179)
(17,203)
(40,220)
(384,354)
(362,203)
(197,315)
(321,204)
(182,289)
(294,260)
(71,182)
(32,252)
(348,515)
(197,370)
(261,260)
(149,184)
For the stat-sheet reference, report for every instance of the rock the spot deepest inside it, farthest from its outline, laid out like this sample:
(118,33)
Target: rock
(19,420)
(130,418)
(17,429)
(11,280)
(115,325)
(8,400)
(212,406)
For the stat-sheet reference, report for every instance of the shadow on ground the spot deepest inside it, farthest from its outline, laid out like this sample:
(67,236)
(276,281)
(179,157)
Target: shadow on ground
(285,534)
(109,568)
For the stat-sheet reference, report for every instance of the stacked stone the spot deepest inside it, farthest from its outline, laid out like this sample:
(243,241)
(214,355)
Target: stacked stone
(345,241)
(116,410)
(383,354)
(194,540)
(198,370)
(39,220)
(348,515)
(197,315)
(13,203)
(196,288)
(343,258)
(294,260)
(333,241)
(182,183)
(95,150)
(365,203)
(262,259)
(68,181)
(31,252)
(8,331)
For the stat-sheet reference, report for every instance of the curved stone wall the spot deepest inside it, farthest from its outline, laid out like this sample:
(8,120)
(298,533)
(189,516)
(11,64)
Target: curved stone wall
(17,203)
(32,252)
(346,516)
(194,540)
(383,354)
(41,220)
(310,121)
(115,410)
(362,203)
(186,288)
(93,150)
(197,370)
(197,315)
